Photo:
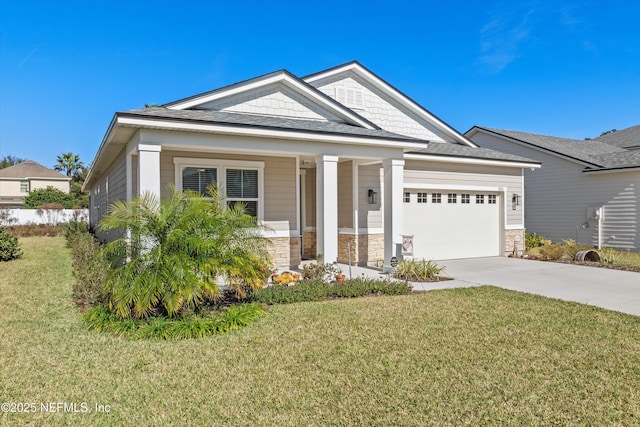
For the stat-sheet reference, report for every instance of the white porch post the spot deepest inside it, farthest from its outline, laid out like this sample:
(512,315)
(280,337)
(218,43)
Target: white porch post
(393,187)
(149,169)
(327,207)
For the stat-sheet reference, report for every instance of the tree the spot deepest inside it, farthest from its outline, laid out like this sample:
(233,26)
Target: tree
(178,248)
(49,195)
(7,161)
(82,197)
(69,163)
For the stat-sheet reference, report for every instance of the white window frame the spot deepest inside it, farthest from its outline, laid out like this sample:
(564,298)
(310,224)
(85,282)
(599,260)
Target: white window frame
(452,198)
(24,183)
(465,199)
(479,199)
(436,198)
(492,199)
(406,198)
(222,165)
(422,197)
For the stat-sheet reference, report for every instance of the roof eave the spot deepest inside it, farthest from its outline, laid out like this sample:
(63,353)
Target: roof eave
(472,160)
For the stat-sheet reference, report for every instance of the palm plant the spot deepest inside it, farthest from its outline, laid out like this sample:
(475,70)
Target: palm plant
(178,248)
(69,163)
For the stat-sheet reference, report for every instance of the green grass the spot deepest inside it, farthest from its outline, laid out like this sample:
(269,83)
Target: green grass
(479,356)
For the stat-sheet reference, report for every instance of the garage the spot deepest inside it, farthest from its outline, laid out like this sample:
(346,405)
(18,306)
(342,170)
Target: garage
(452,224)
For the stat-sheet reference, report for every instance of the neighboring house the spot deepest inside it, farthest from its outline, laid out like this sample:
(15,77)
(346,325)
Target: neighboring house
(587,190)
(17,181)
(334,160)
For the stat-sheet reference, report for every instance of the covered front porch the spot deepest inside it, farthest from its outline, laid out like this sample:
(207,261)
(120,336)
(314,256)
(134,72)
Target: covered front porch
(311,202)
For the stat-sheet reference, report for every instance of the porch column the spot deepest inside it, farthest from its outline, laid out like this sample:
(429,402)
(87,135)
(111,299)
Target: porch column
(149,169)
(327,207)
(393,187)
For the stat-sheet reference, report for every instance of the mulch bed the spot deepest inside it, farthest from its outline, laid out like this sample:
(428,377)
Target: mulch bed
(588,264)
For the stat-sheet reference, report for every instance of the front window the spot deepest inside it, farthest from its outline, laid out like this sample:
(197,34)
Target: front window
(242,187)
(198,179)
(24,186)
(240,180)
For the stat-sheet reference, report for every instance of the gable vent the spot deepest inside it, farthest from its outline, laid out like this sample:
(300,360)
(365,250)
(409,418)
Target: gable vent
(350,97)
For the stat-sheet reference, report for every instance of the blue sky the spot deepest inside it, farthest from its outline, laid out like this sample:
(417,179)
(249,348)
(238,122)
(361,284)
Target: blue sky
(562,68)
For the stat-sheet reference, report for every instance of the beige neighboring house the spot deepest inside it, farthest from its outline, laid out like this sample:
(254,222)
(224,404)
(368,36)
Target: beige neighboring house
(17,181)
(334,160)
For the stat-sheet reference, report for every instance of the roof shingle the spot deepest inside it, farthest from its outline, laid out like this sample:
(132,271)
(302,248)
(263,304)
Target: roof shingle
(30,169)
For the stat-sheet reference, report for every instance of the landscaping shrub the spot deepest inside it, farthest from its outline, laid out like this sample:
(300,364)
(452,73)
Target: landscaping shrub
(43,196)
(532,240)
(90,268)
(163,328)
(318,290)
(180,245)
(36,230)
(417,270)
(320,271)
(608,255)
(553,252)
(9,246)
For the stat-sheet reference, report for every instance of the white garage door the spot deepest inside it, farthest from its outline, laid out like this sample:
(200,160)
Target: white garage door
(449,225)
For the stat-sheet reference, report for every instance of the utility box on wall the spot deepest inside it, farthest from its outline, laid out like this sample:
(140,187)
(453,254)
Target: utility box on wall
(595,212)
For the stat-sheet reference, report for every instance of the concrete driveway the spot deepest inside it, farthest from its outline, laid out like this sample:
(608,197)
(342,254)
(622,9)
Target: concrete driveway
(601,287)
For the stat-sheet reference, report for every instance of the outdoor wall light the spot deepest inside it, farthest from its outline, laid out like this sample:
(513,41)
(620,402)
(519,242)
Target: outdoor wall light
(373,197)
(515,201)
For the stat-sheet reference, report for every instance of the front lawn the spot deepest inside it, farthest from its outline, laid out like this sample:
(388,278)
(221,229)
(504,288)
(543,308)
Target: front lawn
(478,356)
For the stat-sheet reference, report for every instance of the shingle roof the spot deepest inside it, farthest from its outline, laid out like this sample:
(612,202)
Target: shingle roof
(30,169)
(597,154)
(626,138)
(252,120)
(459,150)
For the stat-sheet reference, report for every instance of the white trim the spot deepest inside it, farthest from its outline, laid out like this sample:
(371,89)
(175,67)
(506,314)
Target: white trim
(355,194)
(514,227)
(425,185)
(268,133)
(222,165)
(298,197)
(38,178)
(361,231)
(471,161)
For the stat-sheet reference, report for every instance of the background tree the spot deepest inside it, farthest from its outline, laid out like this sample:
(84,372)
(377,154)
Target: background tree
(49,195)
(7,161)
(69,163)
(77,180)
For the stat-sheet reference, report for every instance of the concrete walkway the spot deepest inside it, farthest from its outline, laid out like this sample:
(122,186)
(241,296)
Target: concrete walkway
(601,287)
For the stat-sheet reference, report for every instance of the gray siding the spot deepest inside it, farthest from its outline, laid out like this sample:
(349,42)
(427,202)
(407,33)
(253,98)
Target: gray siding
(558,194)
(111,187)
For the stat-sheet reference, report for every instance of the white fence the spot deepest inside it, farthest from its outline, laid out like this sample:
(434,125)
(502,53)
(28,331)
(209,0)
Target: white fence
(41,216)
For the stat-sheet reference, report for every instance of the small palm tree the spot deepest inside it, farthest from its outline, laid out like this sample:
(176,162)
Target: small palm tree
(69,163)
(178,249)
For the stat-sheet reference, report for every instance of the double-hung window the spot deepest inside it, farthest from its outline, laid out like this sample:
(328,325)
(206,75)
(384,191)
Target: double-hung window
(242,187)
(199,179)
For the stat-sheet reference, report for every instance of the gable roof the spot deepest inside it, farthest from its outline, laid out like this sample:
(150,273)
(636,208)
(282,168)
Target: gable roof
(628,138)
(283,77)
(369,76)
(266,122)
(30,169)
(593,154)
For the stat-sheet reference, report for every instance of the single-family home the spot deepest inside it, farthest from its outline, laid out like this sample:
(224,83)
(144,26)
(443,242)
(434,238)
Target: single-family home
(586,190)
(336,161)
(17,181)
